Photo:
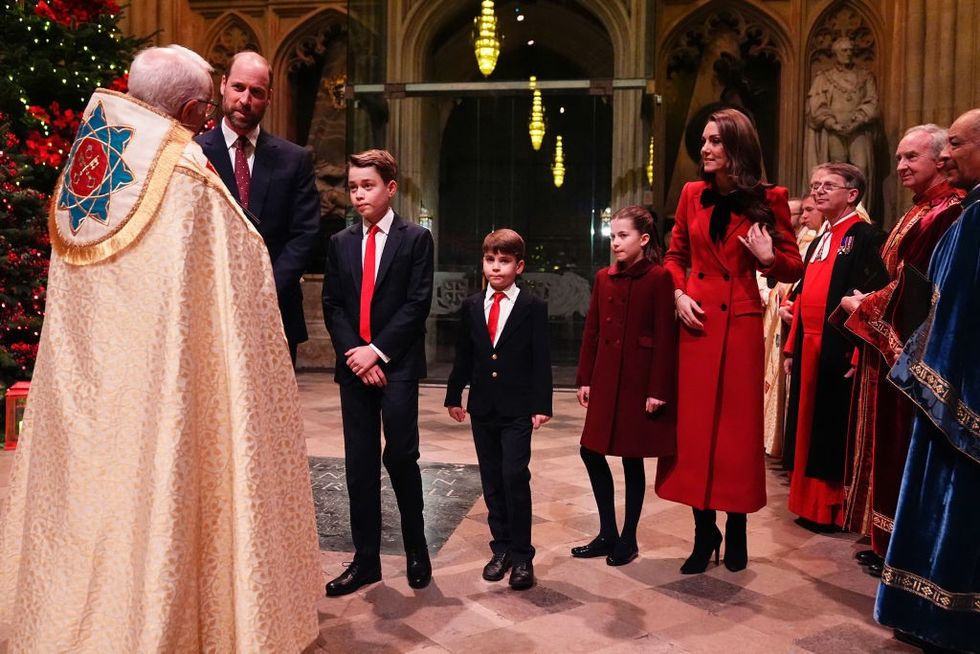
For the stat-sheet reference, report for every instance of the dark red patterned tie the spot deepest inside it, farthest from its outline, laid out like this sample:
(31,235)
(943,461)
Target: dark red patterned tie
(367,285)
(494,316)
(242,176)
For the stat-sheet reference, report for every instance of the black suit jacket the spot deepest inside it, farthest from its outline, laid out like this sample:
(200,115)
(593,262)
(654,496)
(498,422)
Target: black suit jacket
(399,307)
(284,206)
(512,379)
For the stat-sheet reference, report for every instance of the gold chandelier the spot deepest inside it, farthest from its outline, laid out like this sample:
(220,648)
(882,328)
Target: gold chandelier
(558,167)
(650,164)
(486,46)
(535,124)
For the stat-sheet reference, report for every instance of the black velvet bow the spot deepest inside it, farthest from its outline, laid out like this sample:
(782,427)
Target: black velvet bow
(721,214)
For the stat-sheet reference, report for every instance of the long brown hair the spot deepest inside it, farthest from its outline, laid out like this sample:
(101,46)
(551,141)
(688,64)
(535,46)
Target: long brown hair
(741,142)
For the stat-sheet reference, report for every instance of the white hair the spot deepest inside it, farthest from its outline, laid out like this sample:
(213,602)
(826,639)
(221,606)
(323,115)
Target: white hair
(937,136)
(167,77)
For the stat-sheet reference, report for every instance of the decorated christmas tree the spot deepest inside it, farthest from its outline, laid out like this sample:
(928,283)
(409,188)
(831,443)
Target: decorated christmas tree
(53,54)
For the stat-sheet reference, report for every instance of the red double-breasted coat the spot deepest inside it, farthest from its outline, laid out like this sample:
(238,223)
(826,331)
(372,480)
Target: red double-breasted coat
(720,461)
(629,353)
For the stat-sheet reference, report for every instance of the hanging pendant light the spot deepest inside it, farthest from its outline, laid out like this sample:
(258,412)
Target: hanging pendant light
(650,165)
(486,46)
(535,124)
(558,167)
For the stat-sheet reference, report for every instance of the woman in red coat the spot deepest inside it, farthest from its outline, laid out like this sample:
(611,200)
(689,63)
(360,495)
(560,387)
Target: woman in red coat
(626,377)
(726,227)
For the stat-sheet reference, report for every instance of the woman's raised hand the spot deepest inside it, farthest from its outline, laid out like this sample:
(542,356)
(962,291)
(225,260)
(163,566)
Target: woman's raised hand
(759,243)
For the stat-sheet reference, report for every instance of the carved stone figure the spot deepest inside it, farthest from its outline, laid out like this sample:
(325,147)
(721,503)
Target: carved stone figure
(842,106)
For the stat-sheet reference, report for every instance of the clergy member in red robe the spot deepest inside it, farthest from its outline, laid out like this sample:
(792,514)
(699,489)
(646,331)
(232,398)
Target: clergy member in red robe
(844,258)
(881,416)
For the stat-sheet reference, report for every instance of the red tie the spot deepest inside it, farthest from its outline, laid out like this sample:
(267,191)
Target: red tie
(367,285)
(242,176)
(494,315)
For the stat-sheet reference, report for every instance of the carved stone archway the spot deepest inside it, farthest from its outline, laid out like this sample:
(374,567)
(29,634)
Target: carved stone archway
(230,34)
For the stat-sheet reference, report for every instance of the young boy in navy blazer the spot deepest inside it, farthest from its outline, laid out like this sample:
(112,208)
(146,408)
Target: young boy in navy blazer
(377,292)
(503,354)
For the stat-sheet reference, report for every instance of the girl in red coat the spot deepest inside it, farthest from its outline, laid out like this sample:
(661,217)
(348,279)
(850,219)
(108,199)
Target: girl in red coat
(626,377)
(727,226)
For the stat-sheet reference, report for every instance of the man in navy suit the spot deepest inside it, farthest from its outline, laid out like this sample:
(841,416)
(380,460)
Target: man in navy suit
(377,292)
(271,178)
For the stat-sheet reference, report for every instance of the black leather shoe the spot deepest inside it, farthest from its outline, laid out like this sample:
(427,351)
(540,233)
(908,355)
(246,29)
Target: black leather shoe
(867,557)
(875,569)
(356,575)
(622,553)
(497,567)
(598,547)
(522,575)
(419,568)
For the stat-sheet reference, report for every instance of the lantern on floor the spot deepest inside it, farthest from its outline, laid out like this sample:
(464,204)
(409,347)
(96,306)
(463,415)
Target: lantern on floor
(14,416)
(558,167)
(535,124)
(486,46)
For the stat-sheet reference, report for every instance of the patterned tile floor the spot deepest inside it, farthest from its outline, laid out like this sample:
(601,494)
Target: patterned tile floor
(802,592)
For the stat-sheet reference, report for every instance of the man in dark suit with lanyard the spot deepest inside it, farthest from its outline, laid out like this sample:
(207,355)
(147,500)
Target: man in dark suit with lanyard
(271,178)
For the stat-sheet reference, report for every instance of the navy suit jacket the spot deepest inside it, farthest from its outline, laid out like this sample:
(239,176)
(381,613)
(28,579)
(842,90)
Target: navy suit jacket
(510,379)
(400,304)
(284,206)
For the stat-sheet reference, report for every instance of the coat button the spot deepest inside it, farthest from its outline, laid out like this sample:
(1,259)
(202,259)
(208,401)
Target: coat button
(726,277)
(493,356)
(724,307)
(494,374)
(700,275)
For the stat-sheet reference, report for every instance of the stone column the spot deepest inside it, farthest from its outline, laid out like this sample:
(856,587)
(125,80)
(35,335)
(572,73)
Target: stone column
(628,149)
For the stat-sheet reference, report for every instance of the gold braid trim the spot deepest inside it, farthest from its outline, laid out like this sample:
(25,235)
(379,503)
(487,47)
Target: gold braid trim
(932,379)
(140,217)
(883,522)
(921,587)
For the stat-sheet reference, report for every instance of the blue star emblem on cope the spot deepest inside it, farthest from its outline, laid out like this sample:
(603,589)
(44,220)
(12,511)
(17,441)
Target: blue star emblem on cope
(95,170)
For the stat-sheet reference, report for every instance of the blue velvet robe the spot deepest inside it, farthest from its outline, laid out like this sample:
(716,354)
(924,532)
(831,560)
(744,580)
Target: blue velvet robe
(931,581)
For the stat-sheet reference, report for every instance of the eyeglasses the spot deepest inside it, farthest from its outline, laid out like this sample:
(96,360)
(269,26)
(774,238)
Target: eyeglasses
(212,106)
(829,187)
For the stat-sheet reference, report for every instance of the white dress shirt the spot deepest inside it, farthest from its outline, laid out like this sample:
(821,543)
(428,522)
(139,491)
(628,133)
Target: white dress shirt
(380,238)
(823,247)
(231,137)
(506,306)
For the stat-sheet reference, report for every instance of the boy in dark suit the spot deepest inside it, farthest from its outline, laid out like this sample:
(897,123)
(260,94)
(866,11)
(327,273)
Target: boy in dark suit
(503,333)
(377,291)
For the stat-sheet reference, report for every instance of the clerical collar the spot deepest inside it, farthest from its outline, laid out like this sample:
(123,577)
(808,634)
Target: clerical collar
(841,220)
(940,189)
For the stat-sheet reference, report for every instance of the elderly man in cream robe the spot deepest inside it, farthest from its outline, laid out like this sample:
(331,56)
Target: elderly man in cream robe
(160,497)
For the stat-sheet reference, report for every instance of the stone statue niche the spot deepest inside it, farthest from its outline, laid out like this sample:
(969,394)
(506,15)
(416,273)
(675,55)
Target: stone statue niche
(842,111)
(725,60)
(317,75)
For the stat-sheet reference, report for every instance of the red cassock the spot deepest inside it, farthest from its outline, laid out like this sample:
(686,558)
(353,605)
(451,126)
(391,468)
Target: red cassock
(629,353)
(880,423)
(720,459)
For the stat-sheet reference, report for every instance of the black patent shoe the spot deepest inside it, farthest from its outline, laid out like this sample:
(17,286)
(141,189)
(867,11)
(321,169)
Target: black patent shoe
(355,576)
(497,567)
(866,557)
(522,575)
(622,554)
(419,568)
(875,569)
(598,547)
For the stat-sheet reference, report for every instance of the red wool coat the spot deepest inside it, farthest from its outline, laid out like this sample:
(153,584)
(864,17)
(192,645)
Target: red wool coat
(720,460)
(629,353)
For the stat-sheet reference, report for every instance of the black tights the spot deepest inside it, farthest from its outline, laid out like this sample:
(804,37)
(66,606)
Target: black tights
(602,487)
